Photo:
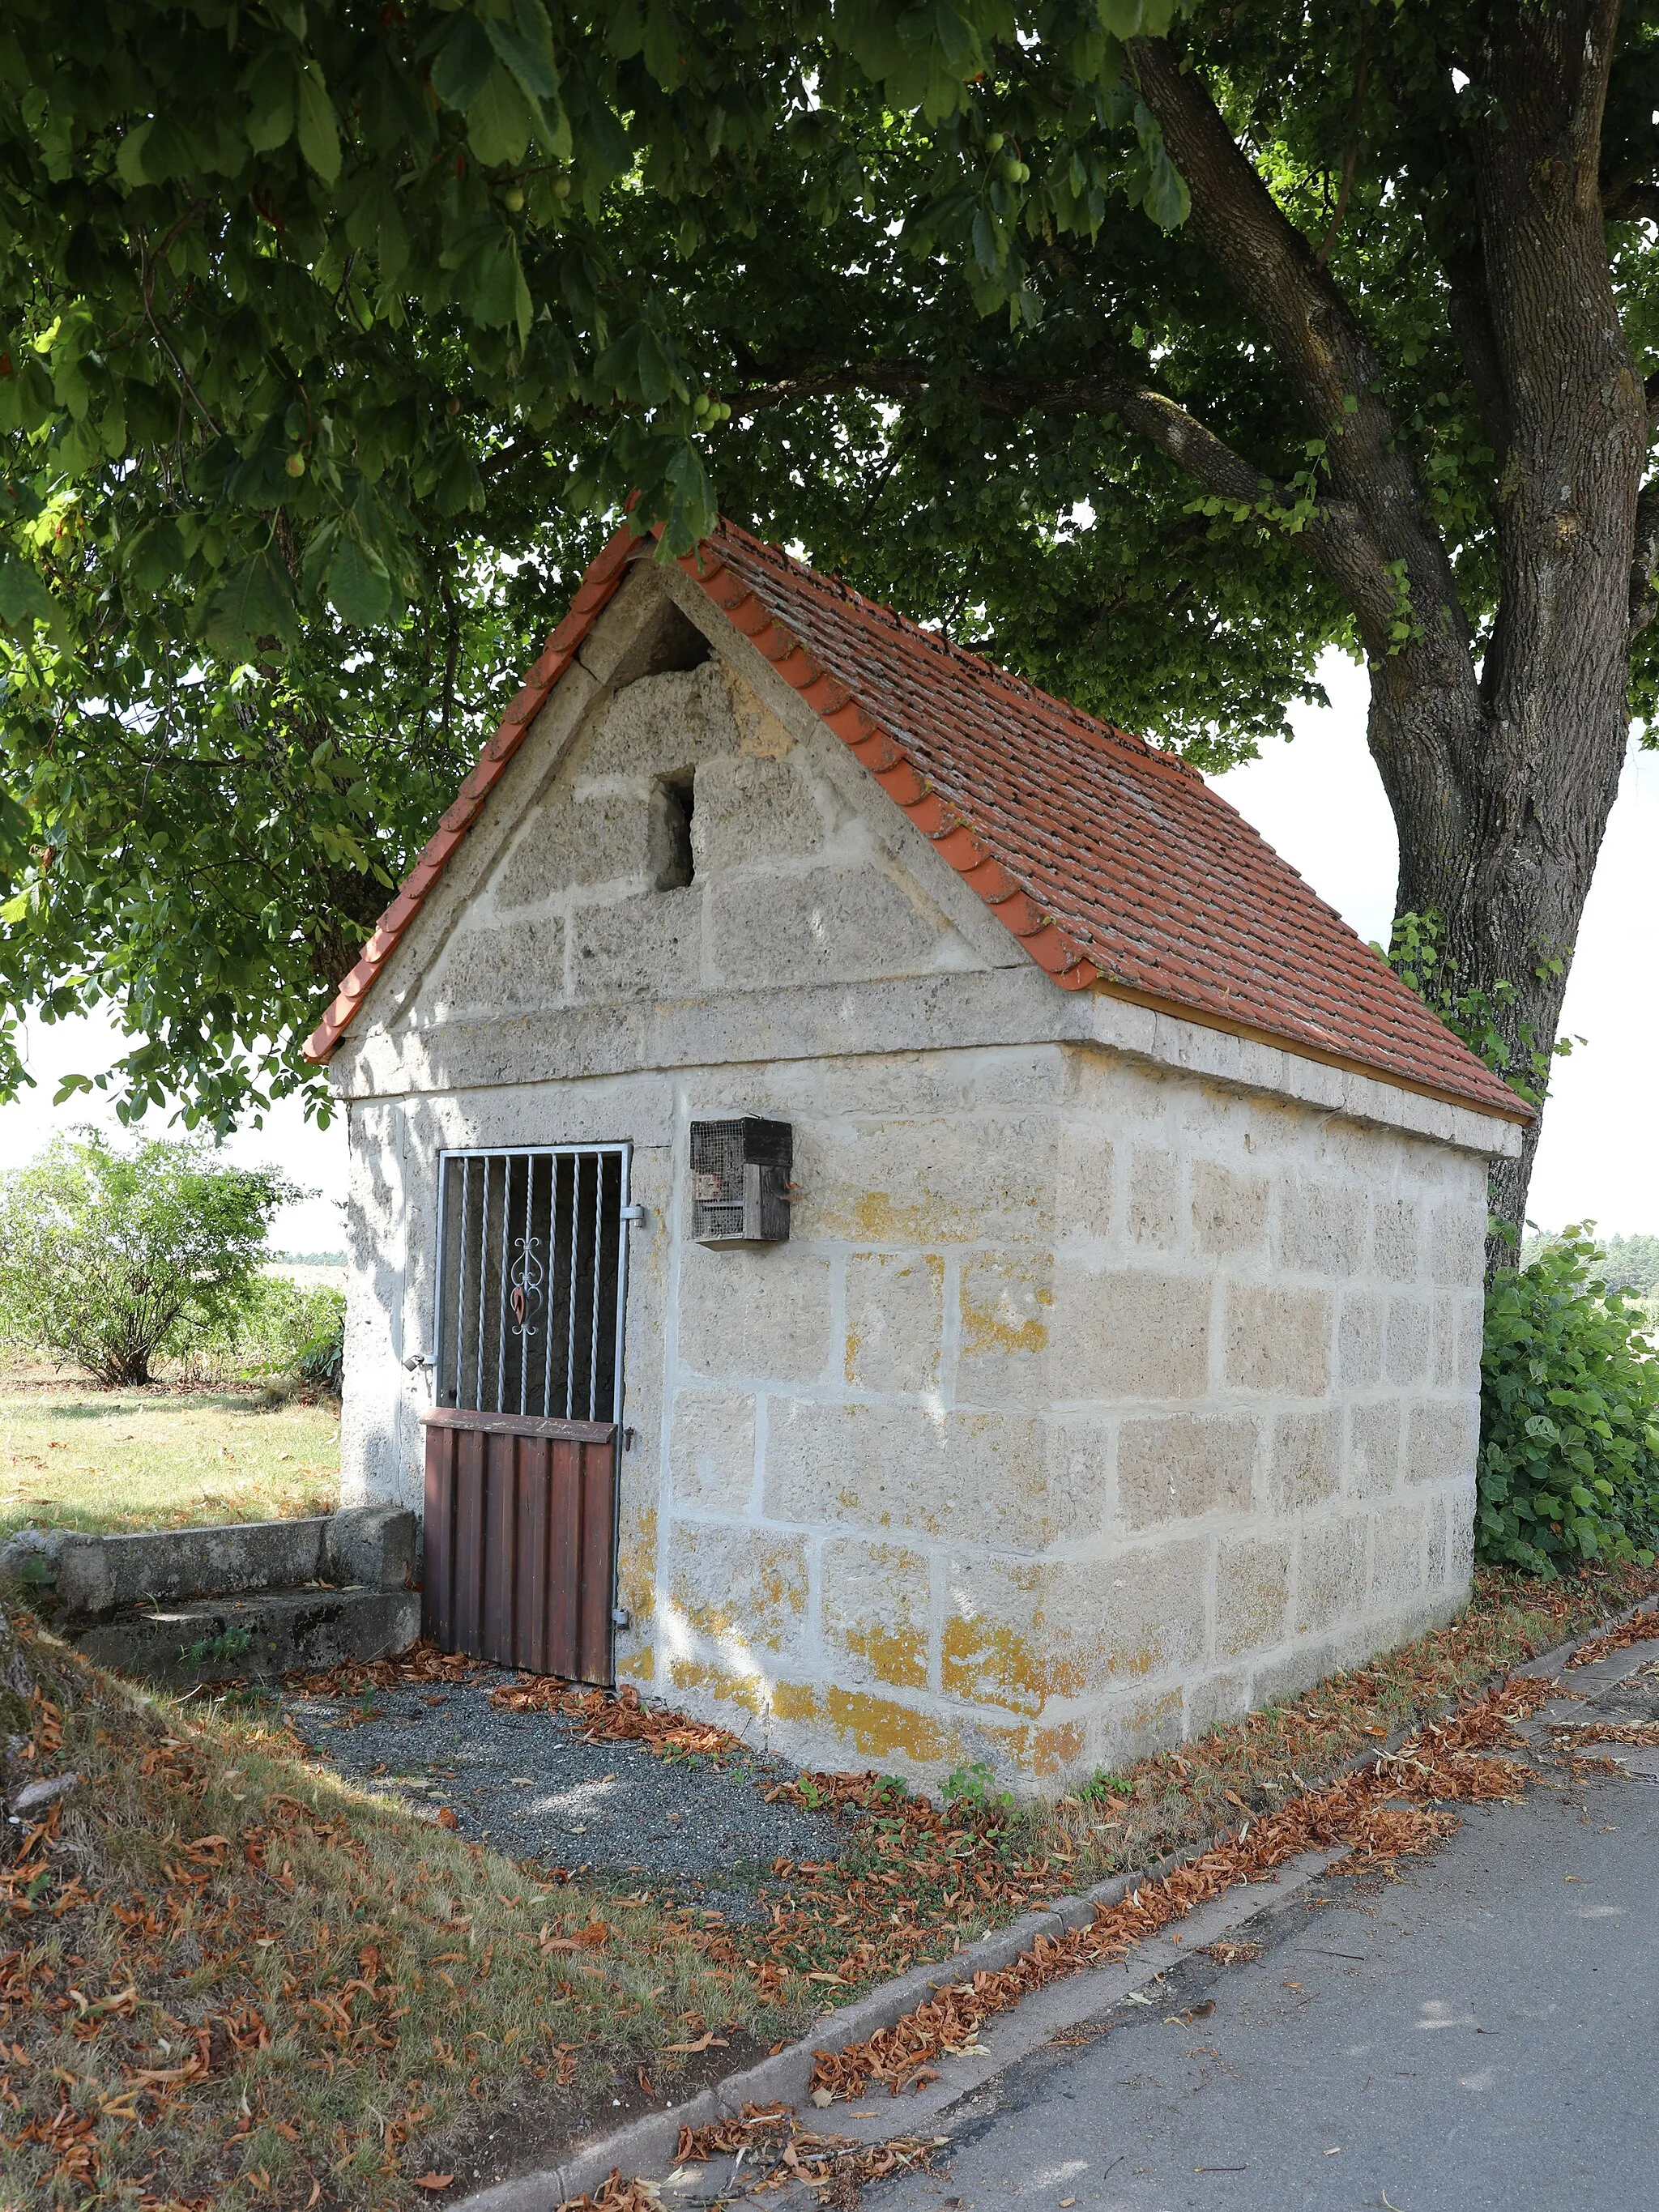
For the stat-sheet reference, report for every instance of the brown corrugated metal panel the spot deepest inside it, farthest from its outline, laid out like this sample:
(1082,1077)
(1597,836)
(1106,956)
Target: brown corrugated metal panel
(521,1525)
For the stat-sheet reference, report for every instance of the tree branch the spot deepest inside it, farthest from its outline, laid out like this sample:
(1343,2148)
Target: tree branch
(1334,531)
(1329,361)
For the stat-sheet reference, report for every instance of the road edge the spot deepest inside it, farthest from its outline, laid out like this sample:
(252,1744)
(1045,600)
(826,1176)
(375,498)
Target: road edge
(647,2144)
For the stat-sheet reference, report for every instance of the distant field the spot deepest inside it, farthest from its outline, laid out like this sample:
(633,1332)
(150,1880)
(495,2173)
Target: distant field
(77,1457)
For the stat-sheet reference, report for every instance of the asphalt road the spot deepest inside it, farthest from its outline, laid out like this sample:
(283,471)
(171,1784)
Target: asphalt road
(1482,2033)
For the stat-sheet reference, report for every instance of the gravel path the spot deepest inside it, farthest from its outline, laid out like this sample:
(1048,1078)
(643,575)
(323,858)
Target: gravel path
(527,1784)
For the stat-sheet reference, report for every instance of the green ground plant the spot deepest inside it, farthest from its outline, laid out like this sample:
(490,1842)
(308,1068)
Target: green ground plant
(282,1331)
(1569,1467)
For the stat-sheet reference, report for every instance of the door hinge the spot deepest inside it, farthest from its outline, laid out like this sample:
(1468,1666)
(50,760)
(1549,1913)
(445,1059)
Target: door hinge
(633,1213)
(621,1617)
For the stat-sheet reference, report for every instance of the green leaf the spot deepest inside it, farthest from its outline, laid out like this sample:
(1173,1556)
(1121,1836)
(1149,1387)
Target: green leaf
(270,86)
(24,598)
(498,122)
(359,585)
(495,295)
(253,604)
(534,71)
(463,62)
(320,135)
(130,161)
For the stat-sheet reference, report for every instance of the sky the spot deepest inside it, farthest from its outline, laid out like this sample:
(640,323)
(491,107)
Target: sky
(1317,798)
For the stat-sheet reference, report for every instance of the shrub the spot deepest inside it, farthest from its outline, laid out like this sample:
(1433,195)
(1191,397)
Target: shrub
(280,1329)
(110,1257)
(1569,1465)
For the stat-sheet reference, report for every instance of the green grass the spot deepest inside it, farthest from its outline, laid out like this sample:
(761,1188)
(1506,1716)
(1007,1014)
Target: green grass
(74,1457)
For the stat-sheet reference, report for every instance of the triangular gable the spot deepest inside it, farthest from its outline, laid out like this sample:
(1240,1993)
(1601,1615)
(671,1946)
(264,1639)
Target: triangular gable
(1115,866)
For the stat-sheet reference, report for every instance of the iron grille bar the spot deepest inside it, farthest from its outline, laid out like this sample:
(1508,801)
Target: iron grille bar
(484,1261)
(547,1302)
(570,1302)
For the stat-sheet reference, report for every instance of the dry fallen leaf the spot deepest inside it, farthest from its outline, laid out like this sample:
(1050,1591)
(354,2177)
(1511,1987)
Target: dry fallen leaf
(433,2181)
(446,1818)
(821,2098)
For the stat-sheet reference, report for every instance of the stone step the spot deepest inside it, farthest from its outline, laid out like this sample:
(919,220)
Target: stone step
(253,1638)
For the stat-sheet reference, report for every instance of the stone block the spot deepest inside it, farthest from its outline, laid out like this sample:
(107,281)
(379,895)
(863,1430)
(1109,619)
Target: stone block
(1441,1436)
(980,1476)
(1396,1232)
(755,1315)
(663,724)
(1185,1464)
(1134,1725)
(517,965)
(760,735)
(1410,1356)
(1278,1339)
(1445,1340)
(1079,1485)
(743,1588)
(1457,1250)
(1359,1340)
(1471,1330)
(1321,1227)
(1252,1594)
(752,809)
(813,1721)
(895,1321)
(1085,1201)
(253,1638)
(616,835)
(1229,1211)
(1373,1464)
(647,947)
(1006,1313)
(1214,1703)
(101,1574)
(1330,1581)
(542,855)
(1022,1634)
(823,925)
(927,1181)
(1020,1755)
(711,1449)
(372,1545)
(1460,1541)
(1154,1197)
(1304,1463)
(1131,1334)
(636,1561)
(1397,1543)
(875,1610)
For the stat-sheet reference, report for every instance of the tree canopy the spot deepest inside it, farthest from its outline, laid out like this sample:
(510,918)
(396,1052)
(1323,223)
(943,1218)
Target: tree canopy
(1151,350)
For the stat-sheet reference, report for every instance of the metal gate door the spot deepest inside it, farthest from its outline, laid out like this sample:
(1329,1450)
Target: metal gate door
(521,1446)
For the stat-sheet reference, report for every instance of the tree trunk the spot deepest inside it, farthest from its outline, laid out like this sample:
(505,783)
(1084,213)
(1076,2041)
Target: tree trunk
(1501,767)
(1503,844)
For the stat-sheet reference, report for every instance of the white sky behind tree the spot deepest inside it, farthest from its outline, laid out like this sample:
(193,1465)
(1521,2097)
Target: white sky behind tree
(1319,801)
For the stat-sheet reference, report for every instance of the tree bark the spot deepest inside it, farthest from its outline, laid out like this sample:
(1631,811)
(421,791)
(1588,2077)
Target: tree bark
(1501,767)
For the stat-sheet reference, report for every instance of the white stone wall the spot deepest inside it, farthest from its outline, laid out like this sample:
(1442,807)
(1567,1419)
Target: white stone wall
(1086,1406)
(1117,1375)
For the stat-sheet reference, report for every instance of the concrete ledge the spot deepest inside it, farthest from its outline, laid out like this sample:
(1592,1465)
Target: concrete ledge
(254,1638)
(371,1545)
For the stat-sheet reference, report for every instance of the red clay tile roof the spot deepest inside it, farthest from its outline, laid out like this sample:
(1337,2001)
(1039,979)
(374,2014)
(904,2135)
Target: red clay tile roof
(1112,863)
